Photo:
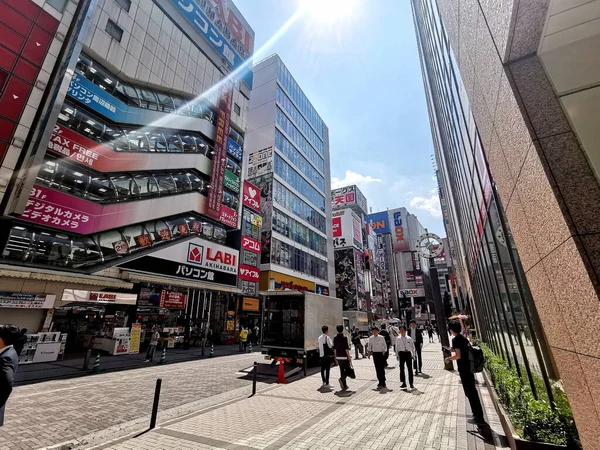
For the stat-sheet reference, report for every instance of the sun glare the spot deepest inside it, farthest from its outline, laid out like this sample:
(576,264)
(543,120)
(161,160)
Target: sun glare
(329,12)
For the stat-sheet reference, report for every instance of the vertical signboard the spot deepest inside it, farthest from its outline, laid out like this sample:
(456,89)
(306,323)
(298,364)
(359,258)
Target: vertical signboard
(400,241)
(217,175)
(345,278)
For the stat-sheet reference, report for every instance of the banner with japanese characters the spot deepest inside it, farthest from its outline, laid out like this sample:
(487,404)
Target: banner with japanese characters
(347,230)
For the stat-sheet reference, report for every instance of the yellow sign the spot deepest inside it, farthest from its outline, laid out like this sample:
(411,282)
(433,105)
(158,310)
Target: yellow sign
(230,325)
(250,304)
(257,220)
(134,340)
(283,282)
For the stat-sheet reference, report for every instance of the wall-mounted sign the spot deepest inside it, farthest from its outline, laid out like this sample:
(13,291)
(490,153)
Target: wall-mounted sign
(251,196)
(419,292)
(260,163)
(172,299)
(321,290)
(234,149)
(250,244)
(75,295)
(232,181)
(283,282)
(346,227)
(379,222)
(249,273)
(26,301)
(250,304)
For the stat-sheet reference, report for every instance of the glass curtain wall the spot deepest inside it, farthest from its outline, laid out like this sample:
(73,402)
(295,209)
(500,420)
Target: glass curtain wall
(506,317)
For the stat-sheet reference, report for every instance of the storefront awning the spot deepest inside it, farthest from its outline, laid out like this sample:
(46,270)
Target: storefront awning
(62,277)
(176,282)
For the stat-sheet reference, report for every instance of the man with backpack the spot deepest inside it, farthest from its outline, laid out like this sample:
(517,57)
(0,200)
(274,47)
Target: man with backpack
(461,349)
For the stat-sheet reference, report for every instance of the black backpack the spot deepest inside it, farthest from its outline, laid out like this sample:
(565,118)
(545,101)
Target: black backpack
(476,358)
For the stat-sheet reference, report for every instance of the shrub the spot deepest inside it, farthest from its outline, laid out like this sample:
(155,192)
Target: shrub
(533,419)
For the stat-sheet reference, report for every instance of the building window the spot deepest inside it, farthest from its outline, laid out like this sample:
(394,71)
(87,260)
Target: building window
(58,5)
(114,30)
(125,4)
(236,109)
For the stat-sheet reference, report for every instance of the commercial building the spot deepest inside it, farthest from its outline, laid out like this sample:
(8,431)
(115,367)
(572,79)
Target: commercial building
(513,98)
(287,148)
(121,152)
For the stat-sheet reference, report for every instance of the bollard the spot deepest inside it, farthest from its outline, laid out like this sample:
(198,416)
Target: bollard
(254,377)
(304,364)
(203,345)
(155,404)
(96,367)
(212,351)
(163,358)
(249,347)
(86,361)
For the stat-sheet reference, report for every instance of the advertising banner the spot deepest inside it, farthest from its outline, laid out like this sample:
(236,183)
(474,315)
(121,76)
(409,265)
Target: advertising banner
(172,299)
(419,292)
(260,163)
(359,267)
(345,278)
(251,196)
(283,282)
(400,241)
(249,258)
(26,301)
(228,33)
(135,337)
(250,304)
(250,244)
(232,182)
(322,290)
(356,229)
(350,197)
(346,229)
(119,298)
(217,174)
(228,216)
(248,273)
(234,149)
(249,288)
(336,225)
(379,222)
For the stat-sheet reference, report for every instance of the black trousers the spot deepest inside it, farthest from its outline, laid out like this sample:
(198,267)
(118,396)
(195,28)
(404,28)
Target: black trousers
(406,359)
(419,360)
(325,368)
(344,364)
(468,382)
(150,352)
(358,347)
(379,361)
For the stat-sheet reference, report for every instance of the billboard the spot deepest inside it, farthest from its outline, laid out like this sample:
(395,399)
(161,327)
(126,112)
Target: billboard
(282,282)
(359,263)
(196,259)
(224,28)
(379,222)
(260,163)
(349,197)
(347,231)
(251,196)
(345,278)
(400,237)
(217,174)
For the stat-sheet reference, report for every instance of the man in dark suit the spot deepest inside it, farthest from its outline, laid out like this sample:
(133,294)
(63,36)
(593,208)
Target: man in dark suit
(417,336)
(9,359)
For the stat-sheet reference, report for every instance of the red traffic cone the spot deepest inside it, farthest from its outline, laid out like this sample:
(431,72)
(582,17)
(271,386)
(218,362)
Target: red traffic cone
(281,373)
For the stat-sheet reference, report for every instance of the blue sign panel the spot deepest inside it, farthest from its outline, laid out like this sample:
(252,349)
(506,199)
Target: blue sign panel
(397,219)
(98,99)
(234,149)
(204,26)
(379,222)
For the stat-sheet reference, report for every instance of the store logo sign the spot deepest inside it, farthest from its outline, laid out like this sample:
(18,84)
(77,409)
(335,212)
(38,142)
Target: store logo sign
(195,253)
(248,273)
(251,196)
(250,244)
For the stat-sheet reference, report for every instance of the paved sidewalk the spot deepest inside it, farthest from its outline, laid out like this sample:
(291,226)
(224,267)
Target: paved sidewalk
(299,415)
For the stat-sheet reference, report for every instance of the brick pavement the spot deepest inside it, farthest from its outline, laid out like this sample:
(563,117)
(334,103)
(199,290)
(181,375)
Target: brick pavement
(301,416)
(97,408)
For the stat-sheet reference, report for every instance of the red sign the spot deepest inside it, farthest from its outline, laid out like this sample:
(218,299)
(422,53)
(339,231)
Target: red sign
(219,161)
(249,273)
(336,223)
(143,240)
(183,229)
(251,196)
(73,146)
(172,299)
(165,234)
(228,216)
(250,244)
(121,247)
(221,257)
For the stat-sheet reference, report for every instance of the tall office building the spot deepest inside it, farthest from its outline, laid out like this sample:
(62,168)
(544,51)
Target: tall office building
(287,148)
(514,97)
(121,149)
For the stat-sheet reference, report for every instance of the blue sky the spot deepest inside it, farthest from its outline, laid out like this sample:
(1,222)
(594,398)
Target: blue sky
(362,74)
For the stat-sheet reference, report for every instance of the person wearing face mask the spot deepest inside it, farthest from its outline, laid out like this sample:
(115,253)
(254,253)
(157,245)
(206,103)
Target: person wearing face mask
(9,360)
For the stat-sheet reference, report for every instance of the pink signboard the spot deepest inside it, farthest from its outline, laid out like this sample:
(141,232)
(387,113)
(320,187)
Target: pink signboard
(228,216)
(217,175)
(251,196)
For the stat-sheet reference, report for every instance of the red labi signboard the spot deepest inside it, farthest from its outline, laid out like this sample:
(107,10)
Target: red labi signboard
(251,196)
(219,161)
(250,244)
(249,273)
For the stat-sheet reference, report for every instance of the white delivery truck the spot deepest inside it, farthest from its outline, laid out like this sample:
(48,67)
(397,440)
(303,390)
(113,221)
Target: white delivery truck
(292,323)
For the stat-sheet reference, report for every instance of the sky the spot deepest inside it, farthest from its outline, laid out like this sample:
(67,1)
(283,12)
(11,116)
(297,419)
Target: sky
(360,69)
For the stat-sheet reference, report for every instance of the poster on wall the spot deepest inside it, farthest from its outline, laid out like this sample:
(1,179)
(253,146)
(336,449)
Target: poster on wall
(217,175)
(265,186)
(360,279)
(345,278)
(135,337)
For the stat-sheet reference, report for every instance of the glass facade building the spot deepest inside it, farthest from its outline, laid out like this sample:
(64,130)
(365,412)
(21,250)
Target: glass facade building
(287,151)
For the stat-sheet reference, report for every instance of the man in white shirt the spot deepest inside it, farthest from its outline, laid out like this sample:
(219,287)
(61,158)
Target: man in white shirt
(326,354)
(405,349)
(377,346)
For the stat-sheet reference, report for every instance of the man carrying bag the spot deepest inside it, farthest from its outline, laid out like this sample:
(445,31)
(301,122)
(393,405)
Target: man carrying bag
(342,356)
(326,354)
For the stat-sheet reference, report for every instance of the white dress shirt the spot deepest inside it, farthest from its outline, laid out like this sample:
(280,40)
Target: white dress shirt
(324,339)
(405,344)
(377,344)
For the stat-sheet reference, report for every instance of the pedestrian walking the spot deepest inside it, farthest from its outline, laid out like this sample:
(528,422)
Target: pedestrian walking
(377,347)
(342,355)
(460,347)
(9,360)
(430,333)
(406,351)
(326,353)
(388,341)
(243,339)
(256,334)
(417,336)
(358,347)
(153,344)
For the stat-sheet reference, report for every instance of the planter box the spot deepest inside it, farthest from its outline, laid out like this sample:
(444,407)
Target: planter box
(515,442)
